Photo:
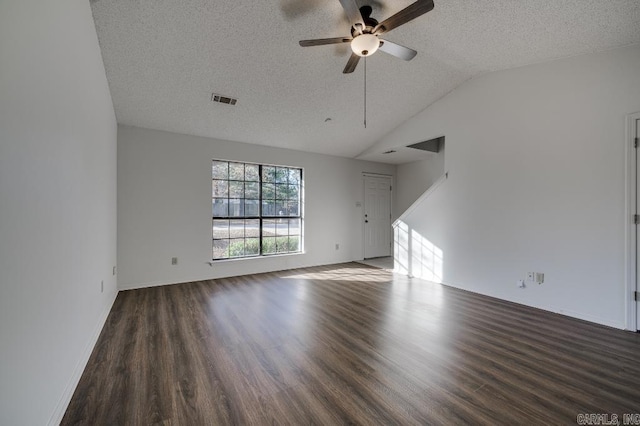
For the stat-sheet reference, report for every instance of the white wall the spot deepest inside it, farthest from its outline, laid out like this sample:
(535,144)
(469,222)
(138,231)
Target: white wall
(414,178)
(536,162)
(57,204)
(164,207)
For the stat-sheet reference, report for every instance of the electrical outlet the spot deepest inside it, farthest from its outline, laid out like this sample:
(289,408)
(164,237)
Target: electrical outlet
(337,246)
(530,276)
(520,283)
(539,277)
(102,286)
(174,260)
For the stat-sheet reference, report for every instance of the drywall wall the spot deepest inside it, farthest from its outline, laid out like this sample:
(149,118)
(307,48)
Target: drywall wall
(164,207)
(536,163)
(57,204)
(413,179)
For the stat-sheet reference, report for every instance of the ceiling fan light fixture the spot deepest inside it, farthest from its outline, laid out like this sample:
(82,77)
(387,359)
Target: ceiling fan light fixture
(365,44)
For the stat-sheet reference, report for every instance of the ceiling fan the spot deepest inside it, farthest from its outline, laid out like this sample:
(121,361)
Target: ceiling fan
(365,32)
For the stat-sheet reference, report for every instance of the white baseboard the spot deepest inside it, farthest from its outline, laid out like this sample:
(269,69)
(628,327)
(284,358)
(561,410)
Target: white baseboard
(550,308)
(65,399)
(266,270)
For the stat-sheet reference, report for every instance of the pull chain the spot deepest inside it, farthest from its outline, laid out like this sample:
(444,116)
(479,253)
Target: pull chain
(365,92)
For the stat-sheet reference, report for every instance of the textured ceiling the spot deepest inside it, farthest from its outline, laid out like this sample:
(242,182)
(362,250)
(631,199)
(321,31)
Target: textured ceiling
(164,58)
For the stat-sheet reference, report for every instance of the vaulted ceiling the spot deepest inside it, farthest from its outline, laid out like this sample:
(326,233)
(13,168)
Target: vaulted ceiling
(164,59)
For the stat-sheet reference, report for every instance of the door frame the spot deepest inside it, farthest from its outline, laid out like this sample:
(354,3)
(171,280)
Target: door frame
(631,200)
(364,206)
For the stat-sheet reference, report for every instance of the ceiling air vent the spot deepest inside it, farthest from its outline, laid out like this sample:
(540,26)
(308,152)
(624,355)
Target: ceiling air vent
(432,145)
(223,99)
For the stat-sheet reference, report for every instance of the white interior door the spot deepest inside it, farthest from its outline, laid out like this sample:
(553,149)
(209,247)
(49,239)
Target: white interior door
(377,216)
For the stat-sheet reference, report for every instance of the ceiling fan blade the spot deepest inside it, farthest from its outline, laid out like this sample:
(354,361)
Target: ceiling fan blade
(323,41)
(353,12)
(351,64)
(397,50)
(412,11)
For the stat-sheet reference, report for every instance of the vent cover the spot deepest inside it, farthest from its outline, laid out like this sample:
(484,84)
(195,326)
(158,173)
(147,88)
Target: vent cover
(223,99)
(432,145)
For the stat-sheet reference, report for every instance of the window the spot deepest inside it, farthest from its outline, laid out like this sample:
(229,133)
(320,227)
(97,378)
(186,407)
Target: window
(256,209)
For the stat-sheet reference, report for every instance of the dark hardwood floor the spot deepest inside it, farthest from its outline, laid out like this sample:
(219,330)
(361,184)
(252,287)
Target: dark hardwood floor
(347,344)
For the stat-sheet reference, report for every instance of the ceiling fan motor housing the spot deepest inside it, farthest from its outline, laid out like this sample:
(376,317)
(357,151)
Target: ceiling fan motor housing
(369,22)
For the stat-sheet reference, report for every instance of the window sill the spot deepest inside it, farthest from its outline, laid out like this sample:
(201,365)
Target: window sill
(238,259)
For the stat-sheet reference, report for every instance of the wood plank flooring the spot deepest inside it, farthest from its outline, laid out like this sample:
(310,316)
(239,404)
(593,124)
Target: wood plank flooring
(347,344)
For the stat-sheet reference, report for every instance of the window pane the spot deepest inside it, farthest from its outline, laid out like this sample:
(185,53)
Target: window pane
(268,245)
(282,244)
(282,175)
(236,207)
(220,207)
(252,228)
(282,227)
(268,227)
(282,192)
(220,249)
(294,176)
(236,189)
(268,174)
(281,208)
(252,172)
(294,244)
(294,192)
(236,171)
(294,226)
(236,228)
(293,208)
(220,229)
(252,190)
(220,188)
(220,170)
(252,207)
(268,208)
(268,191)
(251,246)
(236,248)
